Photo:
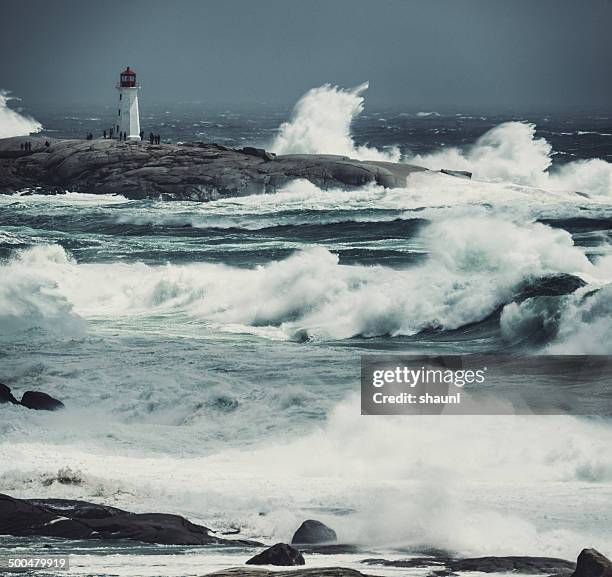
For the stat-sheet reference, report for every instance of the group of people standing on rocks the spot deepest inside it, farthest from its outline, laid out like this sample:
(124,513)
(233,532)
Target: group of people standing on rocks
(110,133)
(27,145)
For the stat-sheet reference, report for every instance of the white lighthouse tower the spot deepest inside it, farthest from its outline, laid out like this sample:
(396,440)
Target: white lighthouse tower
(128,119)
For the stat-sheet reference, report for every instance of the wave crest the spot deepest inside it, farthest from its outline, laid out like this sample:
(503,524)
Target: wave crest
(12,123)
(30,298)
(510,152)
(321,124)
(475,265)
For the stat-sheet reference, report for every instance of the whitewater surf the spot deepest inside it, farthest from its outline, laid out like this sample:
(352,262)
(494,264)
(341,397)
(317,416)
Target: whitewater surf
(208,354)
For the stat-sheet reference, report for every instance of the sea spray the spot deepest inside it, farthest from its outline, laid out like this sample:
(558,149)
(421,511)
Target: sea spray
(12,123)
(398,481)
(321,124)
(511,152)
(30,297)
(475,264)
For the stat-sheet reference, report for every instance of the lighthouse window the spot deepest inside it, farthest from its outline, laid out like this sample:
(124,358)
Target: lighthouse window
(119,112)
(120,96)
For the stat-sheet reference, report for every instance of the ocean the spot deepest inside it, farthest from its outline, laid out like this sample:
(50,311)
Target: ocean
(209,353)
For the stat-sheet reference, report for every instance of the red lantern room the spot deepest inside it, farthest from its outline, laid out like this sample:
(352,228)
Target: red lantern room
(128,78)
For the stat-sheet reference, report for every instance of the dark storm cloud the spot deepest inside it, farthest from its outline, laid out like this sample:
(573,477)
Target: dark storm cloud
(424,54)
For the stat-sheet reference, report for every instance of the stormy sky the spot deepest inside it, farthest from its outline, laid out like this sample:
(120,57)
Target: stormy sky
(425,54)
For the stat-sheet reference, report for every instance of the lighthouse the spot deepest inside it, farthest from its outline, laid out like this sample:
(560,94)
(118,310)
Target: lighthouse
(128,120)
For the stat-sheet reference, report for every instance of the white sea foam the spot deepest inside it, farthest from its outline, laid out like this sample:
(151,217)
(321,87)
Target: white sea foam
(490,485)
(475,264)
(301,201)
(12,123)
(581,323)
(511,152)
(321,124)
(585,324)
(401,480)
(30,297)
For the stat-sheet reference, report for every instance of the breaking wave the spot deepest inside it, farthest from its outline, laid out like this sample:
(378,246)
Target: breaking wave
(321,124)
(422,483)
(30,298)
(511,152)
(12,123)
(475,264)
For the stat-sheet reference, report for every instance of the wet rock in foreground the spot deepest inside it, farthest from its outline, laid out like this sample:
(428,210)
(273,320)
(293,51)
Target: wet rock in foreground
(279,554)
(311,572)
(591,563)
(312,531)
(69,519)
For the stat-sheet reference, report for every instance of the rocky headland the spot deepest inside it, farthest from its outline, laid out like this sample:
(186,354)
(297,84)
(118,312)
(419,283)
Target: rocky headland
(195,171)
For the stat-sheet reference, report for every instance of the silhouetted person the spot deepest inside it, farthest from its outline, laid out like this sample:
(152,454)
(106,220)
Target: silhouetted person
(151,138)
(142,135)
(22,146)
(105,134)
(47,144)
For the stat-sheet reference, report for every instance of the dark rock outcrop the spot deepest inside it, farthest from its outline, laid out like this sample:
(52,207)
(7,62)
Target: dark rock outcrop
(279,554)
(518,564)
(312,531)
(183,172)
(260,152)
(458,173)
(312,572)
(6,396)
(550,286)
(592,563)
(412,562)
(40,401)
(330,548)
(82,520)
